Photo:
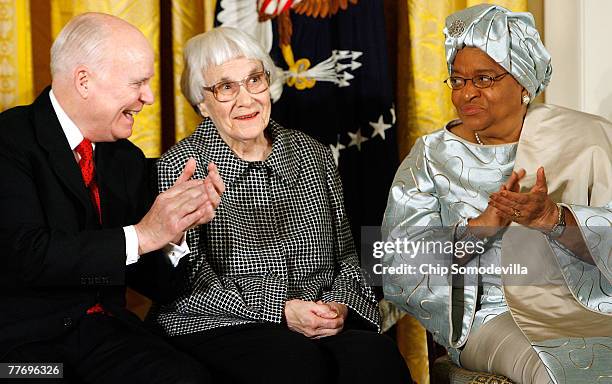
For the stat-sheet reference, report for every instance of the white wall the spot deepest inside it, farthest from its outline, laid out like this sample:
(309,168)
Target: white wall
(577,34)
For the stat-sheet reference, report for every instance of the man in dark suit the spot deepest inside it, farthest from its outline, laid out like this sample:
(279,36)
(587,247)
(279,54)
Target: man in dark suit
(74,220)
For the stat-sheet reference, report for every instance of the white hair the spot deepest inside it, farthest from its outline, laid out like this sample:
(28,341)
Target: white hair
(82,41)
(215,47)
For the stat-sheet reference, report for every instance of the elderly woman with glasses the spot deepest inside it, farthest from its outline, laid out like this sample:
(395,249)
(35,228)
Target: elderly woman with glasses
(521,195)
(273,291)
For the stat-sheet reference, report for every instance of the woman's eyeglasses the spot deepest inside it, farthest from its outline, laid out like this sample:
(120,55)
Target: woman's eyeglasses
(479,81)
(254,83)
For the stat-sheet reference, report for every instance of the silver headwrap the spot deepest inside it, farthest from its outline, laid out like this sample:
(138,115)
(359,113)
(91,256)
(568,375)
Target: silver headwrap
(509,38)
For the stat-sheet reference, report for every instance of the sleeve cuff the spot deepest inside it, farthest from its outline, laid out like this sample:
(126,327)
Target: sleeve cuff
(131,245)
(176,252)
(460,229)
(463,234)
(363,308)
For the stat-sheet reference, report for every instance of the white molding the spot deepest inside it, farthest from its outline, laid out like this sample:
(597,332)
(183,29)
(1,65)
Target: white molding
(576,35)
(563,41)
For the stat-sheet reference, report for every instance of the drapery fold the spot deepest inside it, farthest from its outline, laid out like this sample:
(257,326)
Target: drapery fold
(189,18)
(15,54)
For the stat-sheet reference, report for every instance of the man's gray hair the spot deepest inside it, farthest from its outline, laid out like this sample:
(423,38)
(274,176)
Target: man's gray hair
(82,41)
(216,47)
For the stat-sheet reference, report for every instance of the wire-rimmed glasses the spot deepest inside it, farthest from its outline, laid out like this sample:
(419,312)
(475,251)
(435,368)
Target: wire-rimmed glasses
(254,83)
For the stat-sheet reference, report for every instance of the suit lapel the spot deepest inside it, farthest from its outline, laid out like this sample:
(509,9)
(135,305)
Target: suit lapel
(51,137)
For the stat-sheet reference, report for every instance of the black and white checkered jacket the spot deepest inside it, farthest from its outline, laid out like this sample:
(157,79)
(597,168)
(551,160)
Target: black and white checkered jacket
(280,233)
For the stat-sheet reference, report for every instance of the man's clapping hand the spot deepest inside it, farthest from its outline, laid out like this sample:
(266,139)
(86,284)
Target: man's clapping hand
(188,203)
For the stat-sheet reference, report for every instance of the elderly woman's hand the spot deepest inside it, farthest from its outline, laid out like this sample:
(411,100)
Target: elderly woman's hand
(315,320)
(533,209)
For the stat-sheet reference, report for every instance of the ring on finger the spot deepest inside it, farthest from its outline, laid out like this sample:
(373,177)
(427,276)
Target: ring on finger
(516,213)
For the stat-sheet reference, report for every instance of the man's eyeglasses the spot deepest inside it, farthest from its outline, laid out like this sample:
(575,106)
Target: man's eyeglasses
(479,81)
(254,83)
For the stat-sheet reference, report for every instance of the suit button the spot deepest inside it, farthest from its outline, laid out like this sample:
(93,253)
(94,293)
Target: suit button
(67,322)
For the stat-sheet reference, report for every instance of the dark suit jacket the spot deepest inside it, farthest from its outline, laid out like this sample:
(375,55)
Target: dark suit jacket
(56,260)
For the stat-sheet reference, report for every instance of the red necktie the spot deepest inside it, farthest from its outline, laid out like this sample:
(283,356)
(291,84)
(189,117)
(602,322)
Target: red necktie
(85,150)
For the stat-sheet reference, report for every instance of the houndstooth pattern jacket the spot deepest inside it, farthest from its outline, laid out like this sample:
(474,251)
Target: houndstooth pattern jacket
(280,233)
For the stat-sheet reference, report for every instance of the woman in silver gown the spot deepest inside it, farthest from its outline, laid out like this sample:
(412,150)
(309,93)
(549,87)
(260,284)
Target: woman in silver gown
(531,186)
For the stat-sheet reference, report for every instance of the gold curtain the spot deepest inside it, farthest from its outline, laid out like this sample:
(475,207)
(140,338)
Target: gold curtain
(189,18)
(16,85)
(144,14)
(424,106)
